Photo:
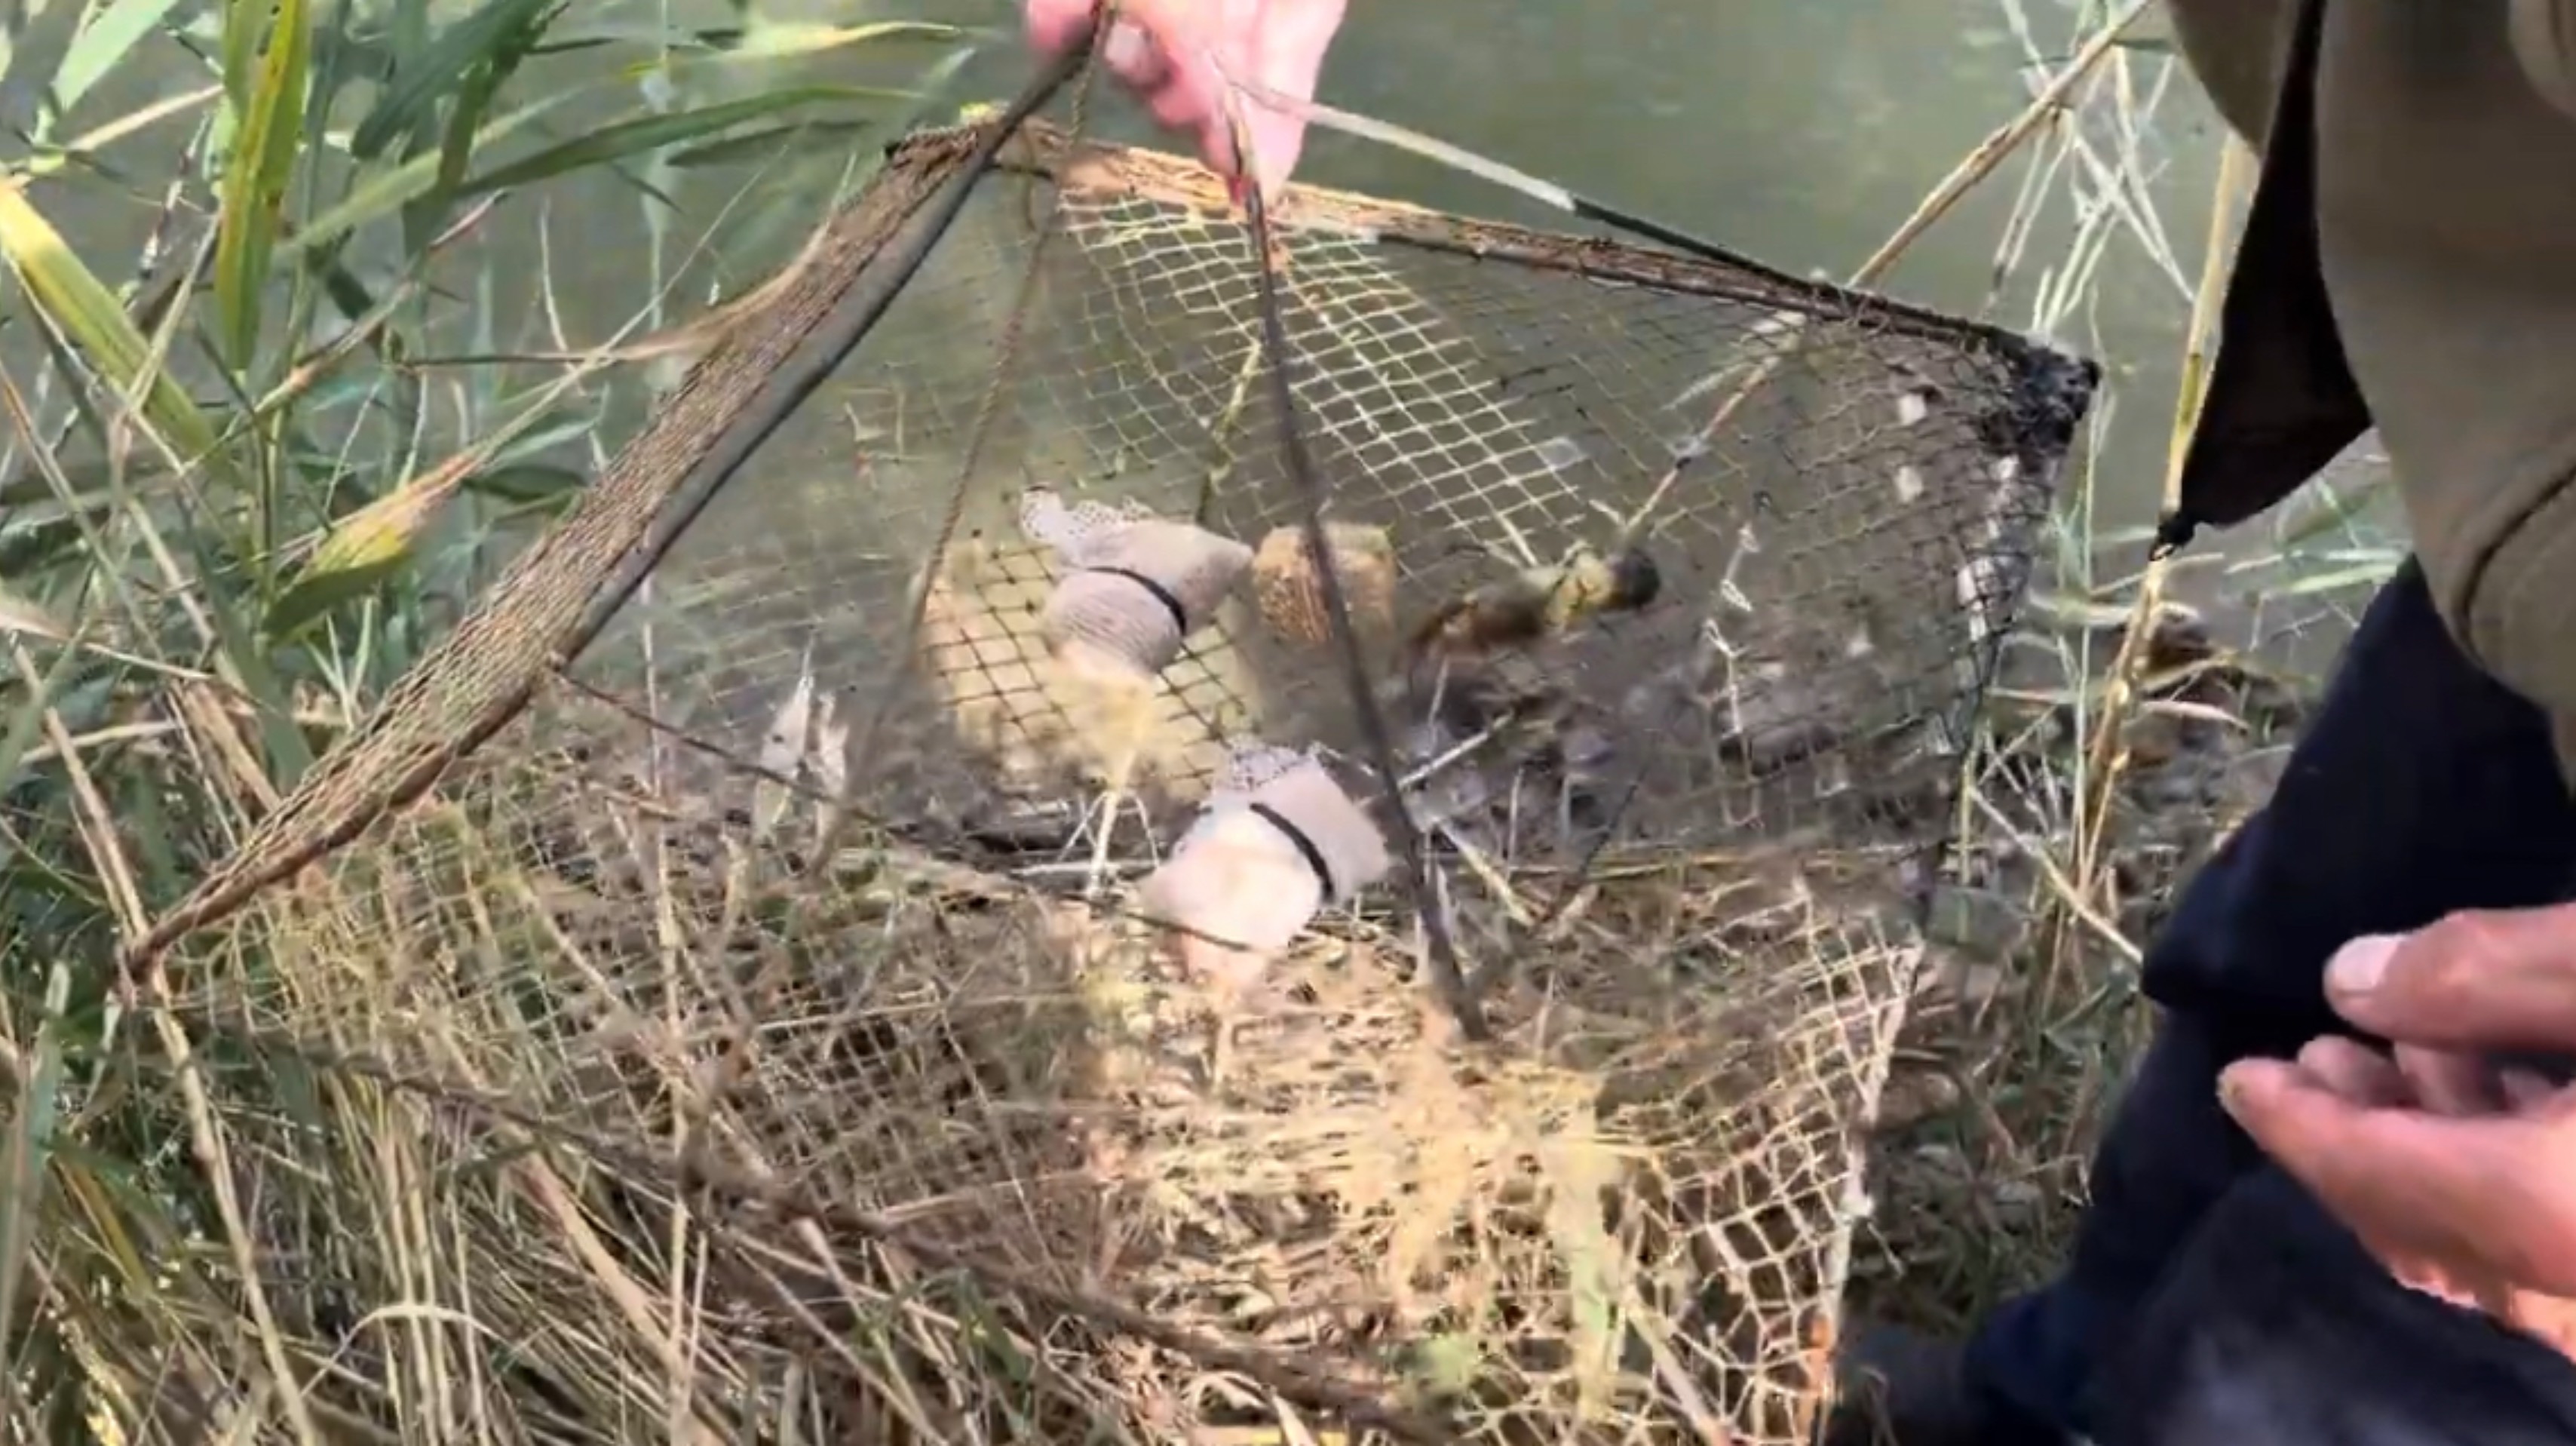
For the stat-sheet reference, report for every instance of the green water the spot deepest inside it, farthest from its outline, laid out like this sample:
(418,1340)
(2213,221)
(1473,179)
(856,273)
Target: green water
(1800,131)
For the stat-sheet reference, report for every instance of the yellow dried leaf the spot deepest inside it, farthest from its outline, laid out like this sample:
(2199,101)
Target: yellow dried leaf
(362,550)
(87,314)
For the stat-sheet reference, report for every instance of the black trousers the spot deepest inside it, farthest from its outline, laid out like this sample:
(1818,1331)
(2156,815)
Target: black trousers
(2208,1298)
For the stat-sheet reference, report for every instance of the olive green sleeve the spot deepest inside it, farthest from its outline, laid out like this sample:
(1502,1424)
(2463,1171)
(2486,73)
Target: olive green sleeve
(2235,49)
(2544,41)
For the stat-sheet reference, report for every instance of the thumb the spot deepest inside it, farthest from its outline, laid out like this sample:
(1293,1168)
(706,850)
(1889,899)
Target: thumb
(2487,981)
(1287,57)
(1181,81)
(1275,141)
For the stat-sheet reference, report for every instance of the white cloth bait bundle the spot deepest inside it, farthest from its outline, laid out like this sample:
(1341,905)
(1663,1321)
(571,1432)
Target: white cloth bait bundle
(1134,585)
(1279,841)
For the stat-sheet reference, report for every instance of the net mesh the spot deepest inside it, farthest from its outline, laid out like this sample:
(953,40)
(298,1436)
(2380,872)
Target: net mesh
(768,975)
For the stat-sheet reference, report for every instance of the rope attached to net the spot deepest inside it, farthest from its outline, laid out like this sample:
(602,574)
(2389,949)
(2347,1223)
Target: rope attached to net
(1447,978)
(1467,991)
(817,358)
(1075,62)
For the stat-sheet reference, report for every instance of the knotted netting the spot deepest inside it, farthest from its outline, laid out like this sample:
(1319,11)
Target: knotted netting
(773,894)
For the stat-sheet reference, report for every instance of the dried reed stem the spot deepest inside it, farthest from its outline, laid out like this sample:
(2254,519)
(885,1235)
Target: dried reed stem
(2105,758)
(99,838)
(1979,163)
(1971,172)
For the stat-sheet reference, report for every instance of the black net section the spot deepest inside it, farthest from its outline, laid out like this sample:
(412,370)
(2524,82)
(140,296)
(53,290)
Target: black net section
(1828,506)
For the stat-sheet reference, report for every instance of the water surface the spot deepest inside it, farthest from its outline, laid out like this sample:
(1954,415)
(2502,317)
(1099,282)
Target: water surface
(1799,131)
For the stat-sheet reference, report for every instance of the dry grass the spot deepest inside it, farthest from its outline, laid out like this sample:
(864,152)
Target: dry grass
(1019,1138)
(2134,736)
(2011,1065)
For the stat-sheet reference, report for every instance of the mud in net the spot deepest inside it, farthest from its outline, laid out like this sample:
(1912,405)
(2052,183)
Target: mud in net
(947,961)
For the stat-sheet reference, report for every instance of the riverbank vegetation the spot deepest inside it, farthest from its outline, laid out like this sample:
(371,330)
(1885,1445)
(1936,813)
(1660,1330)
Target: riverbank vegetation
(281,389)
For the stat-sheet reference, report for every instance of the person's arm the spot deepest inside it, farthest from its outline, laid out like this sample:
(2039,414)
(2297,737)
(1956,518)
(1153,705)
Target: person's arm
(2237,51)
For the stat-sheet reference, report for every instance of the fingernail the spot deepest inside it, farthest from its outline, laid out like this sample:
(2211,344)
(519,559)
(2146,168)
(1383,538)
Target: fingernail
(1127,51)
(2356,967)
(2525,1089)
(2229,1091)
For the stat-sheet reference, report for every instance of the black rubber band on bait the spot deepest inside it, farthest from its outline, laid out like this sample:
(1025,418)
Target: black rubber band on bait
(1162,594)
(1297,836)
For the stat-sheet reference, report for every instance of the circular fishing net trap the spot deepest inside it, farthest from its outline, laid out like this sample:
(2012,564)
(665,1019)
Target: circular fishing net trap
(1006,938)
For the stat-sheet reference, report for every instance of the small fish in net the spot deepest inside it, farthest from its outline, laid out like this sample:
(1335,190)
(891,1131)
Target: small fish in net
(1136,586)
(1279,841)
(1541,603)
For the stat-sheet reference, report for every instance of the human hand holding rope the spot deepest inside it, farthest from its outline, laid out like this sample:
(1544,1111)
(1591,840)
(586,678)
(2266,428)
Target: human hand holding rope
(1177,54)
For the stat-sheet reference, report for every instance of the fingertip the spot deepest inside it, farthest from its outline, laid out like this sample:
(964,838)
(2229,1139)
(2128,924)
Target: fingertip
(2398,1177)
(1054,24)
(2444,1082)
(2354,1070)
(2360,964)
(2526,1089)
(2292,1114)
(2253,1085)
(1175,106)
(1132,56)
(2478,979)
(1276,146)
